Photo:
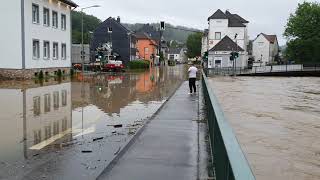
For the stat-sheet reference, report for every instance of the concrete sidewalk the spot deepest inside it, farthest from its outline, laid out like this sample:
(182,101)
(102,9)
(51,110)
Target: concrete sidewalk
(168,147)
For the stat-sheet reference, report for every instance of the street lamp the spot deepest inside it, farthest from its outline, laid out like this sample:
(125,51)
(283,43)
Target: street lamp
(82,46)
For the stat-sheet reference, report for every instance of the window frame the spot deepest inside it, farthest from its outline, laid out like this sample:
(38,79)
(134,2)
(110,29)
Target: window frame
(38,49)
(46,18)
(215,35)
(35,19)
(46,49)
(63,22)
(55,55)
(55,24)
(63,51)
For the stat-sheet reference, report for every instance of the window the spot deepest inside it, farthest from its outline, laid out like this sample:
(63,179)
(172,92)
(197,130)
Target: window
(46,49)
(63,51)
(218,35)
(36,137)
(55,53)
(36,106)
(63,22)
(56,100)
(47,132)
(55,128)
(47,103)
(54,19)
(36,49)
(46,17)
(35,13)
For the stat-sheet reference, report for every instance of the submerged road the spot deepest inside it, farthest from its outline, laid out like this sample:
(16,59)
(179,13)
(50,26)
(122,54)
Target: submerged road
(168,147)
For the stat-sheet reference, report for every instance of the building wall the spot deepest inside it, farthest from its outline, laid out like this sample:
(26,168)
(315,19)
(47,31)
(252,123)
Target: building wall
(146,43)
(44,33)
(10,35)
(224,56)
(204,47)
(221,25)
(261,46)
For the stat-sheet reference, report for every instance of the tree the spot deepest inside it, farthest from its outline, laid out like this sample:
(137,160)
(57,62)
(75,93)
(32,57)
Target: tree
(90,23)
(303,34)
(194,45)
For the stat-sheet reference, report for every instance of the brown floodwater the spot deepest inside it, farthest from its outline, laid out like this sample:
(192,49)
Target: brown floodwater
(56,129)
(277,122)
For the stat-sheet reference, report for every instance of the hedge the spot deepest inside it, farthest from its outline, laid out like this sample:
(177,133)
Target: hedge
(139,64)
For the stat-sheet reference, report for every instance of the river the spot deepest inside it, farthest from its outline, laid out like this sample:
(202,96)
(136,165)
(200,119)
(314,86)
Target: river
(277,122)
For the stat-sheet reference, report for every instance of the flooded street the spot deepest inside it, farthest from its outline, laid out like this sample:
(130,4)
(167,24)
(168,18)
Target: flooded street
(72,129)
(277,122)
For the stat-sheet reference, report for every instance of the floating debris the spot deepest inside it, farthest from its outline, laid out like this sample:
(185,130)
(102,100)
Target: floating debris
(116,125)
(96,139)
(117,151)
(87,151)
(36,155)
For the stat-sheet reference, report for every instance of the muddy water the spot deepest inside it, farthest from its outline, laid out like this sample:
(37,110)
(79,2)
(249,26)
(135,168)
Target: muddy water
(277,122)
(71,129)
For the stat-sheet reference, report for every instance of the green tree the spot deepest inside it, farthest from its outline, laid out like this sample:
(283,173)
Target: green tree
(194,45)
(90,23)
(303,34)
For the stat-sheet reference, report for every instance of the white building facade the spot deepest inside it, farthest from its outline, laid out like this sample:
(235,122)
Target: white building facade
(234,27)
(264,49)
(37,37)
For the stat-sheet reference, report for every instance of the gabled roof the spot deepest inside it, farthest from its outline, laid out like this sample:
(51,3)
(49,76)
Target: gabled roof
(234,21)
(270,38)
(240,18)
(226,44)
(69,2)
(218,15)
(143,35)
(116,22)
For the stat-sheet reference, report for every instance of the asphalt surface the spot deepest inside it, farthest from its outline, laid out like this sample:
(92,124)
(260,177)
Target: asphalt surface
(168,147)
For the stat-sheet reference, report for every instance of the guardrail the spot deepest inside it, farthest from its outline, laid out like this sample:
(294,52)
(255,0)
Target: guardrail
(264,69)
(229,161)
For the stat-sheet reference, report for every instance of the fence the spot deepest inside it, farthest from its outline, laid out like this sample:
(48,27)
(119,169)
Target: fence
(264,69)
(229,161)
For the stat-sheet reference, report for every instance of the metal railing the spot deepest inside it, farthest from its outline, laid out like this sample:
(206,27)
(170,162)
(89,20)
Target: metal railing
(229,161)
(263,69)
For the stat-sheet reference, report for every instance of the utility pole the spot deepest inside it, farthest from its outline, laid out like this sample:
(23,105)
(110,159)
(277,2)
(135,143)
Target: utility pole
(235,59)
(162,28)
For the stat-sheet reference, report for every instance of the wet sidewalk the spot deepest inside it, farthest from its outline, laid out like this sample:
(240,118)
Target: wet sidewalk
(168,147)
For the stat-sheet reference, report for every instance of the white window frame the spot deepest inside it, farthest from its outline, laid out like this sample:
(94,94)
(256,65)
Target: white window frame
(46,50)
(46,16)
(35,52)
(55,20)
(63,51)
(55,50)
(63,22)
(215,35)
(35,14)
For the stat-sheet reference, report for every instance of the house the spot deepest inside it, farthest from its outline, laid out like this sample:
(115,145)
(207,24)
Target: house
(146,46)
(37,36)
(230,28)
(177,55)
(265,48)
(219,55)
(122,39)
(76,53)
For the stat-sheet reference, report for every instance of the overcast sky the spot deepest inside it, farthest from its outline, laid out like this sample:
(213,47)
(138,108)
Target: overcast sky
(268,16)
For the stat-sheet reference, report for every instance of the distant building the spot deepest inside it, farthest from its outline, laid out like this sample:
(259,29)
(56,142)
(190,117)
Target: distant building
(231,28)
(36,36)
(76,53)
(146,46)
(123,40)
(265,48)
(204,47)
(177,55)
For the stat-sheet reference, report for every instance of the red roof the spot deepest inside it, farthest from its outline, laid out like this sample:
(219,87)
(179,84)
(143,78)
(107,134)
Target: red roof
(270,38)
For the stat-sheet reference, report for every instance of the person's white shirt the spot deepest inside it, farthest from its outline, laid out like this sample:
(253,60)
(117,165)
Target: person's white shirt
(193,72)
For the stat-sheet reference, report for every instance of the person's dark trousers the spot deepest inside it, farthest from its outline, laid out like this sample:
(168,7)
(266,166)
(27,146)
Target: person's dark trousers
(192,84)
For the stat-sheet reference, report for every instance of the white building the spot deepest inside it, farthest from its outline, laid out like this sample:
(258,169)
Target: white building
(233,26)
(37,36)
(204,42)
(177,54)
(76,53)
(265,48)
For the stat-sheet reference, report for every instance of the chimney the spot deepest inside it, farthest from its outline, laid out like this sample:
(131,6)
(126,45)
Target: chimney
(118,19)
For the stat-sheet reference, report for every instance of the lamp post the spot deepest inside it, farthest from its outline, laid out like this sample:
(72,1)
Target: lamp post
(82,46)
(235,62)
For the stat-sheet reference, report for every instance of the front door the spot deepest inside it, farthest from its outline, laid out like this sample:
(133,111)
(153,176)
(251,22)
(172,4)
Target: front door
(217,62)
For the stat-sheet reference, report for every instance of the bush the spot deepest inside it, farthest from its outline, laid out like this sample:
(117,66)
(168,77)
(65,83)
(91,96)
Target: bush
(40,76)
(139,64)
(71,72)
(59,73)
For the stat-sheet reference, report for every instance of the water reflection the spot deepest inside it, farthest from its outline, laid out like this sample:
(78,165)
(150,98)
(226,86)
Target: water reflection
(36,120)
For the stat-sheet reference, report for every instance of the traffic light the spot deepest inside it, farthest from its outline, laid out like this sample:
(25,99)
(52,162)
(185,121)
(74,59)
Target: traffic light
(234,55)
(162,26)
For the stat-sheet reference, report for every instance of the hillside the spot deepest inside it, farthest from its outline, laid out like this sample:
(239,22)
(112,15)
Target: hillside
(91,23)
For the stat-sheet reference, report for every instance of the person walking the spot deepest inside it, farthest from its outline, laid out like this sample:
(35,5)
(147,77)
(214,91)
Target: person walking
(192,71)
